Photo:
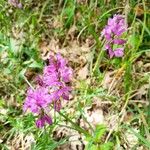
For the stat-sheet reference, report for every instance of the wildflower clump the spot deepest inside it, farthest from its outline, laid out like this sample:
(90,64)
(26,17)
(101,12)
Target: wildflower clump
(52,87)
(113,33)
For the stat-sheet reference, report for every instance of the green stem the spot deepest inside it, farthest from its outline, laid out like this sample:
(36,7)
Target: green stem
(78,128)
(143,29)
(99,58)
(28,83)
(148,108)
(107,12)
(42,11)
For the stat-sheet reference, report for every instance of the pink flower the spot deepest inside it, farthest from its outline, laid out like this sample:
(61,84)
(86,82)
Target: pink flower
(52,87)
(57,71)
(15,3)
(40,123)
(118,52)
(37,99)
(43,120)
(57,105)
(110,52)
(113,32)
(119,41)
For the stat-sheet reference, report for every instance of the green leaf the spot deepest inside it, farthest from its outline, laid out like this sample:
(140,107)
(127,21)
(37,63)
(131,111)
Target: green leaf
(35,65)
(22,73)
(99,132)
(128,77)
(133,40)
(91,147)
(14,46)
(106,146)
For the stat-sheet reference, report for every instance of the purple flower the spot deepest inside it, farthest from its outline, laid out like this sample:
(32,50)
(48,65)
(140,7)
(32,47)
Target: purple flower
(37,99)
(119,41)
(47,119)
(57,71)
(118,52)
(15,3)
(40,123)
(57,105)
(62,92)
(110,52)
(39,81)
(44,119)
(65,72)
(112,33)
(52,87)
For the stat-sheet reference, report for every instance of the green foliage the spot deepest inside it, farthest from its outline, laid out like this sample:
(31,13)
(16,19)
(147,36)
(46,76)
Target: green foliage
(98,133)
(68,13)
(106,146)
(95,141)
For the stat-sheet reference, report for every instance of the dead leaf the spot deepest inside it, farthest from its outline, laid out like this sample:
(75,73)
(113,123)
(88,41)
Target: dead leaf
(28,141)
(72,32)
(94,116)
(74,141)
(130,138)
(141,91)
(107,80)
(83,72)
(147,54)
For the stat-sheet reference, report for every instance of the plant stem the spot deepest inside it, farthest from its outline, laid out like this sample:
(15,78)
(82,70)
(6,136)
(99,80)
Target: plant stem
(98,60)
(28,83)
(78,128)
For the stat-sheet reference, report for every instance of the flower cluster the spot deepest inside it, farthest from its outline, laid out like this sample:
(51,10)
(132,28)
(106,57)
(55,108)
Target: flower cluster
(15,3)
(112,33)
(51,88)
